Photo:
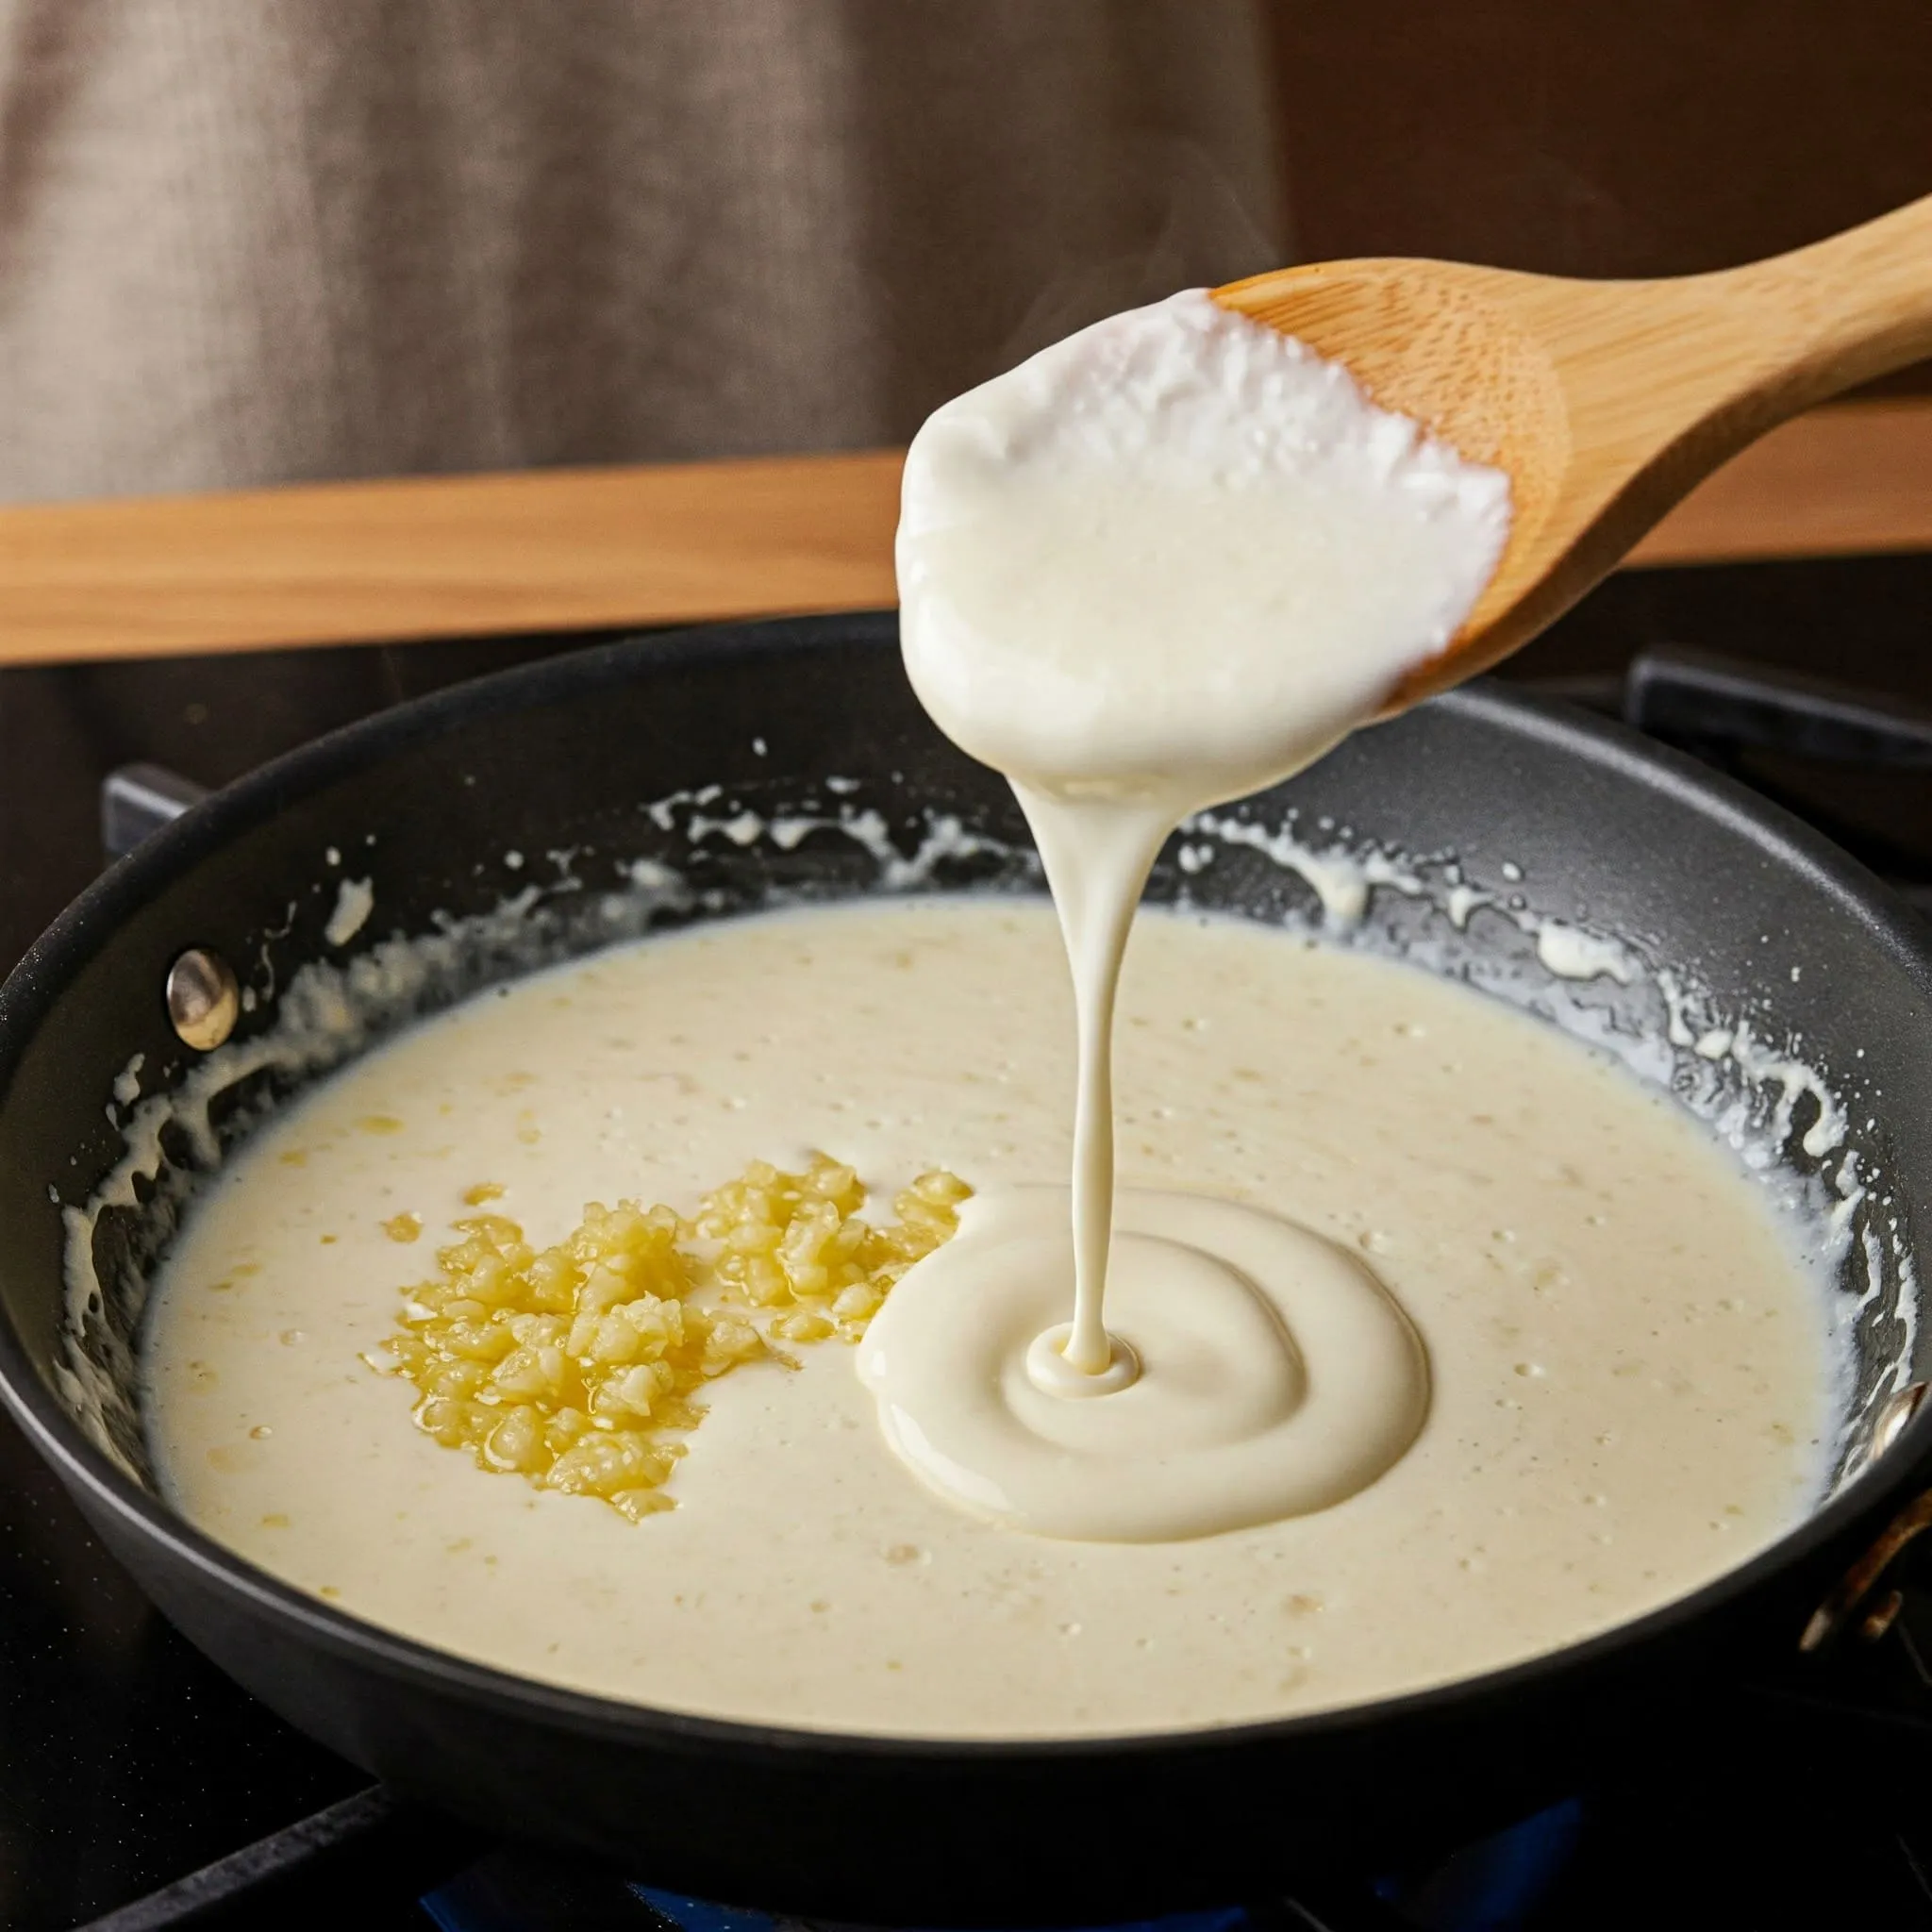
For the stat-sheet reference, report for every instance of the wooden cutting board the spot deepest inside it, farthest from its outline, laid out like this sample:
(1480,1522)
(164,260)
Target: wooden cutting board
(653,544)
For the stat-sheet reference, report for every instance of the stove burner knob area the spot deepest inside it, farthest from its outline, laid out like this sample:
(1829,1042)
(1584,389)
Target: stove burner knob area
(204,1000)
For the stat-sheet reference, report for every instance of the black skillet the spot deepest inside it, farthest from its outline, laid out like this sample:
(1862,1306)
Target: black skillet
(558,758)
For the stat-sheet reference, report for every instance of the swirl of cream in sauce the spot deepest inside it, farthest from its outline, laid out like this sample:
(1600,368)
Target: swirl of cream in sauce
(1167,561)
(1278,1375)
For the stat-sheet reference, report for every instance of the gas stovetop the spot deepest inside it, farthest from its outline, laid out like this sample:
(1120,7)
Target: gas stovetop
(139,1790)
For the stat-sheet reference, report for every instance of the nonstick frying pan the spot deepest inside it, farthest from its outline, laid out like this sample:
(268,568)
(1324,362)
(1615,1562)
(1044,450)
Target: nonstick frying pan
(1730,906)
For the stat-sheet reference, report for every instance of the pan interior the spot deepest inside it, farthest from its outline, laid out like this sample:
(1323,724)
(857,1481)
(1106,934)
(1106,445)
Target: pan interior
(1476,839)
(1754,1086)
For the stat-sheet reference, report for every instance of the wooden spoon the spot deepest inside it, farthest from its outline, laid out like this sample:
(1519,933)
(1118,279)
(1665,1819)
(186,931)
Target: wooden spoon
(1605,402)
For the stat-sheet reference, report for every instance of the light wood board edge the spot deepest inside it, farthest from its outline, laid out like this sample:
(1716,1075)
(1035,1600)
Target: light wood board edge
(592,549)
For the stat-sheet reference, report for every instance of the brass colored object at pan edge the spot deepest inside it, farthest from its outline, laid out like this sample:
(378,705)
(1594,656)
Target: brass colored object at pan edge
(204,1000)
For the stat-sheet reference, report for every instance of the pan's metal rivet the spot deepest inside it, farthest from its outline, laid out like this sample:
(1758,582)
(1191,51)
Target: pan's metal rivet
(1894,1416)
(1882,1615)
(204,1001)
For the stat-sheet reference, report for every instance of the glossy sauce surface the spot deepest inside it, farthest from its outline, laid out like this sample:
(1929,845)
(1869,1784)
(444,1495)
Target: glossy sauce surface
(1630,1376)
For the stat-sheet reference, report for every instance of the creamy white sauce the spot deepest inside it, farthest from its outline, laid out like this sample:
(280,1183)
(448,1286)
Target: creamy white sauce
(1630,1386)
(1571,952)
(1269,1363)
(355,902)
(1167,561)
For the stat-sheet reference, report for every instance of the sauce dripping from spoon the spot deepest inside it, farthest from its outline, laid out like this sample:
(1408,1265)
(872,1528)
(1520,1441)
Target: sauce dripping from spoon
(1166,562)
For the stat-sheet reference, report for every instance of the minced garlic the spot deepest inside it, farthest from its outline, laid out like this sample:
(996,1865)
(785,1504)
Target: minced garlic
(575,1367)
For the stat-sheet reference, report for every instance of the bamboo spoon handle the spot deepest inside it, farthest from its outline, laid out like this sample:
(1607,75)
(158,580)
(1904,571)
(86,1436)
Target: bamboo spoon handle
(1604,402)
(1847,308)
(1702,364)
(1656,383)
(1664,381)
